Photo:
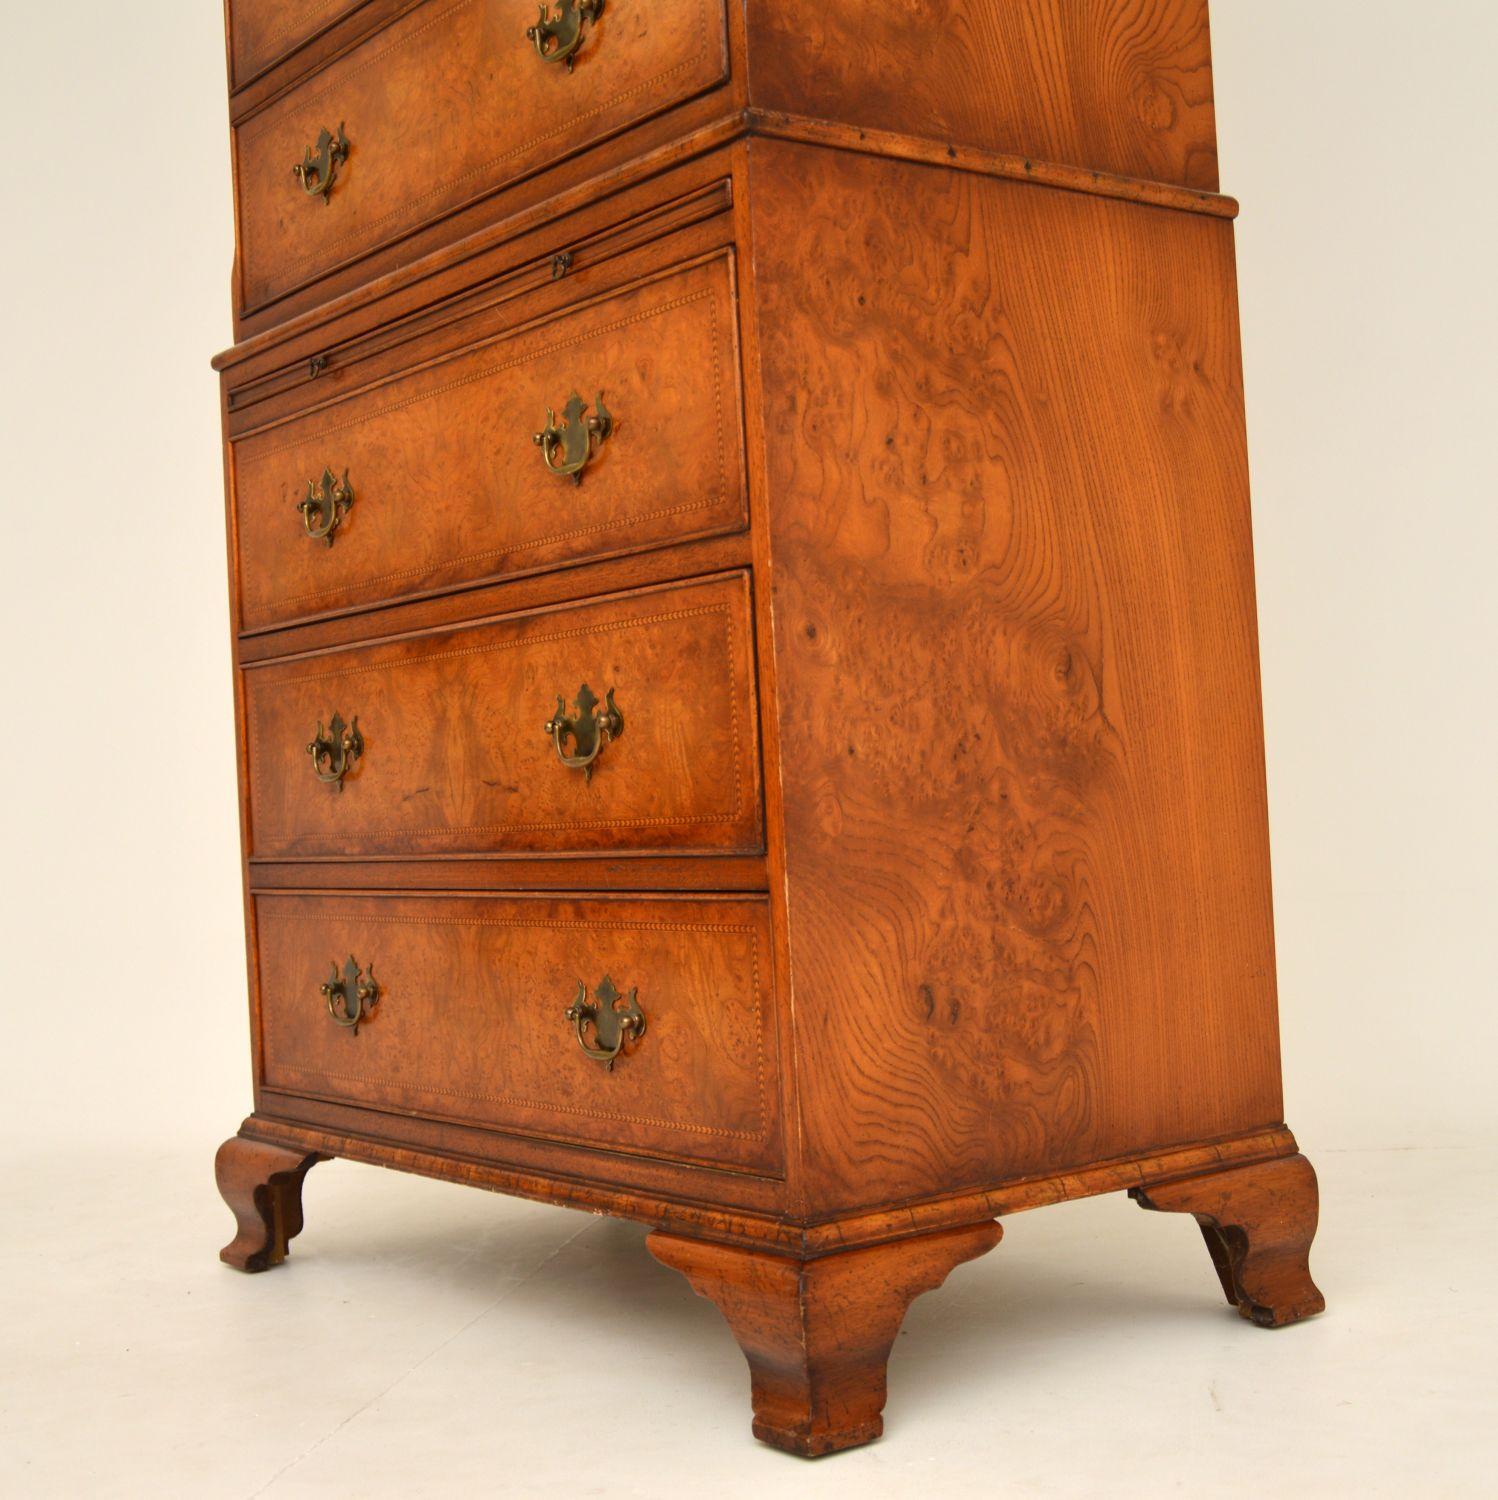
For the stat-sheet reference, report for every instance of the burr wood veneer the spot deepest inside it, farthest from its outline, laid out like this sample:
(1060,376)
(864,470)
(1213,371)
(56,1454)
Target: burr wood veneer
(744,631)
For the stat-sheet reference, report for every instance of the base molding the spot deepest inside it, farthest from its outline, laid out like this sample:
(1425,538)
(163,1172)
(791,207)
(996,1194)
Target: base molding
(778,1233)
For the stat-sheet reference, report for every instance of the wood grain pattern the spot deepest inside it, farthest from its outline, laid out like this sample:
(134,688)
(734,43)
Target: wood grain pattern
(338,33)
(1028,877)
(818,1333)
(1121,86)
(932,310)
(470,1022)
(527,204)
(262,1184)
(449,487)
(456,758)
(262,32)
(1258,1222)
(443,106)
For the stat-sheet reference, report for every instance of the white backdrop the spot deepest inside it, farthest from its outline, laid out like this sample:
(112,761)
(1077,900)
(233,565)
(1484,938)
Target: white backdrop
(1357,135)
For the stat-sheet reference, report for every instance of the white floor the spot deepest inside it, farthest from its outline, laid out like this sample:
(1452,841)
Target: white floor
(428,1340)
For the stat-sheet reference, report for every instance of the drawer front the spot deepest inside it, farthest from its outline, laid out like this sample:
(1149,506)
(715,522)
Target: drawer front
(263,31)
(448,485)
(439,108)
(469,1018)
(453,758)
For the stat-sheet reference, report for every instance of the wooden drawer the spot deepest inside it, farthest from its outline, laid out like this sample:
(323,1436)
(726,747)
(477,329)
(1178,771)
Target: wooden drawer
(470,1019)
(448,485)
(262,32)
(442,107)
(455,759)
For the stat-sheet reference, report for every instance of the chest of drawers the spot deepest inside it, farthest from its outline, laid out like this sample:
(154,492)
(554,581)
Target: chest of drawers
(744,639)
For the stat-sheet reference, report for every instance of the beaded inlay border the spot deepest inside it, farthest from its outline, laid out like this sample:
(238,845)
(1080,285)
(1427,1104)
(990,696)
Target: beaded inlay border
(249,460)
(753,932)
(365,231)
(731,651)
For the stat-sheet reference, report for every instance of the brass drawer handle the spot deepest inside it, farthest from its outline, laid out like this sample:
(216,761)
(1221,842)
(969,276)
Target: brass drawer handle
(335,750)
(318,168)
(612,1025)
(351,995)
(557,37)
(568,448)
(588,730)
(327,503)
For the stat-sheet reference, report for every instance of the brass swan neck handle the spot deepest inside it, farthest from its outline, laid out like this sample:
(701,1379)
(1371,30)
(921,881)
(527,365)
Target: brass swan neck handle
(557,37)
(318,169)
(613,1025)
(325,504)
(567,447)
(351,995)
(585,728)
(335,750)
